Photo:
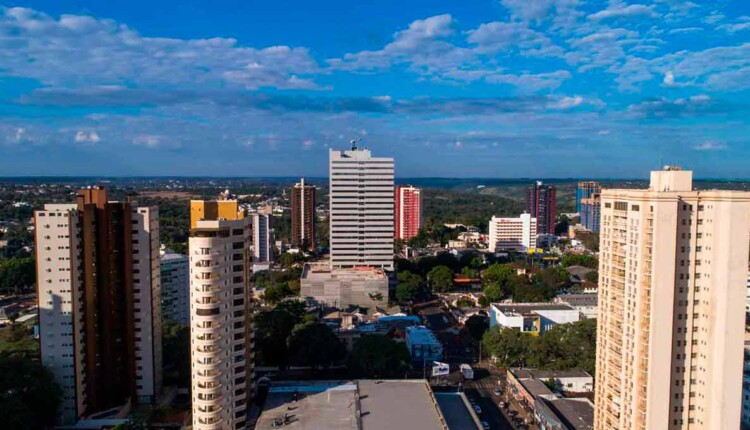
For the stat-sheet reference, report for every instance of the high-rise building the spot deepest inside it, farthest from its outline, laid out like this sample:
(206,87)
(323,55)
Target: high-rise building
(512,234)
(590,212)
(262,243)
(585,190)
(175,286)
(98,282)
(303,215)
(541,204)
(361,209)
(220,315)
(672,278)
(408,211)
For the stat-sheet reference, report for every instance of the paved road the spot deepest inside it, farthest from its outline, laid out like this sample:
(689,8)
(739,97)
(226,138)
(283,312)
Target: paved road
(481,389)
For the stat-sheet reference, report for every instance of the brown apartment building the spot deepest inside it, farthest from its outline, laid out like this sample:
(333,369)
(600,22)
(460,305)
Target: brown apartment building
(303,215)
(99,299)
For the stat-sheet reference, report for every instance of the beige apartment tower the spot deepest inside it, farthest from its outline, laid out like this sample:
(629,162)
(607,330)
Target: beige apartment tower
(672,280)
(220,315)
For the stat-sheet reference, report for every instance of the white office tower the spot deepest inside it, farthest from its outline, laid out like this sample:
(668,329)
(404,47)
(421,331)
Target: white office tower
(512,234)
(175,287)
(98,283)
(672,279)
(262,250)
(220,315)
(361,209)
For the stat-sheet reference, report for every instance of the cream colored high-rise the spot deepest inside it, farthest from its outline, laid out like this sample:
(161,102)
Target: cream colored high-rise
(672,274)
(220,315)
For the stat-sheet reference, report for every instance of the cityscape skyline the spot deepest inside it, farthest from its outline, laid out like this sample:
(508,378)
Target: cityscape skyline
(486,87)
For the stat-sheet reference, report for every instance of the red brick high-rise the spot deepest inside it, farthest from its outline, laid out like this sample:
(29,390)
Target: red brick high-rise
(408,211)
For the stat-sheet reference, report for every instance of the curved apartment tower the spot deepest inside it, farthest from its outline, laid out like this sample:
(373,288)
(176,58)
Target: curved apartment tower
(220,315)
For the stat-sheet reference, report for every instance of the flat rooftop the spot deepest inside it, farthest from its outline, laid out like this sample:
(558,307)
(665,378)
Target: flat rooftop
(528,308)
(322,271)
(546,374)
(352,405)
(580,299)
(455,410)
(578,414)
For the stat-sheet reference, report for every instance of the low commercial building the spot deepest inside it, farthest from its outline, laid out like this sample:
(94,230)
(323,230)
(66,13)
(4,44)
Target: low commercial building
(586,304)
(542,391)
(512,234)
(424,347)
(348,405)
(360,286)
(532,318)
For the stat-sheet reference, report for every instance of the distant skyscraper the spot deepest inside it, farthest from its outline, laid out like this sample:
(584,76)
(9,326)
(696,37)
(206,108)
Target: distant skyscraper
(541,204)
(262,251)
(99,302)
(672,279)
(361,209)
(303,215)
(175,285)
(591,212)
(220,315)
(408,211)
(585,190)
(512,234)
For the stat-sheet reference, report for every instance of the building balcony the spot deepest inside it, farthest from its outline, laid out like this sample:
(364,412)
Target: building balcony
(202,331)
(205,388)
(206,400)
(208,424)
(208,412)
(201,364)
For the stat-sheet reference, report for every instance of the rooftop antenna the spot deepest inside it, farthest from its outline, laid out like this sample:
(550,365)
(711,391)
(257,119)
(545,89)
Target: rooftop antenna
(354,143)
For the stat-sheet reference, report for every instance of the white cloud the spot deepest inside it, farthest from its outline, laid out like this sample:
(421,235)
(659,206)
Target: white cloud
(742,23)
(458,144)
(620,10)
(86,137)
(710,145)
(148,140)
(567,102)
(668,79)
(82,50)
(604,132)
(308,144)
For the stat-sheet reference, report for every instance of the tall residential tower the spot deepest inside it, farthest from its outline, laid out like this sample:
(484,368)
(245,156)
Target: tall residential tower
(220,314)
(98,285)
(672,279)
(408,211)
(541,204)
(585,190)
(303,215)
(361,209)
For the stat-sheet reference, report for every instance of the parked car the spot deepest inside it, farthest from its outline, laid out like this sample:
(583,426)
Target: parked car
(485,425)
(477,409)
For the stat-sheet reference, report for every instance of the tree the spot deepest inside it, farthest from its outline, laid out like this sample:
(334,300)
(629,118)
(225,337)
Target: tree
(476,325)
(175,343)
(592,276)
(17,275)
(315,345)
(464,302)
(408,286)
(493,293)
(287,259)
(276,293)
(440,278)
(376,356)
(29,396)
(580,260)
(274,328)
(508,346)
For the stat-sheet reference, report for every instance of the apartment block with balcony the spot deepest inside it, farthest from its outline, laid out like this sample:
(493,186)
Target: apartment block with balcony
(672,279)
(99,302)
(220,315)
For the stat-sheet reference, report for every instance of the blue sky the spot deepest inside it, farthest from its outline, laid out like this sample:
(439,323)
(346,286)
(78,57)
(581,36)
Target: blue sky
(502,88)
